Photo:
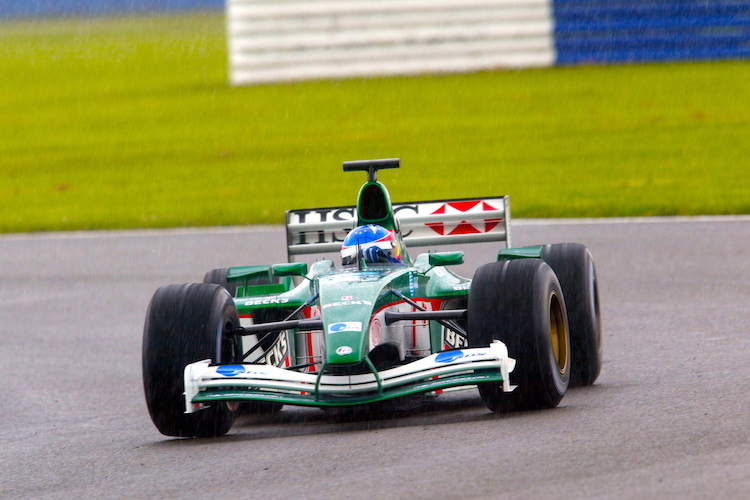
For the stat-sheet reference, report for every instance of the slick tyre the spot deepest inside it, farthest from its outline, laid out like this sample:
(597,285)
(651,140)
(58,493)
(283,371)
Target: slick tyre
(187,323)
(574,267)
(520,303)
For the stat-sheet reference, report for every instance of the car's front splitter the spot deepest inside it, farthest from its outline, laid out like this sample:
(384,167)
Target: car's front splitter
(206,383)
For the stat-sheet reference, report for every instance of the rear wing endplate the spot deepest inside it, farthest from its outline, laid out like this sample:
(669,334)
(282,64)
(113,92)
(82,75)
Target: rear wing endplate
(423,223)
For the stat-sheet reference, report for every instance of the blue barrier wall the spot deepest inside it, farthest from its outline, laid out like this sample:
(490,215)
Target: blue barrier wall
(616,31)
(586,31)
(38,8)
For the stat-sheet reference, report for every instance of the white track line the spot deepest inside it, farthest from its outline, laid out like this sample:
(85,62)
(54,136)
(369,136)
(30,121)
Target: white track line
(128,233)
(631,220)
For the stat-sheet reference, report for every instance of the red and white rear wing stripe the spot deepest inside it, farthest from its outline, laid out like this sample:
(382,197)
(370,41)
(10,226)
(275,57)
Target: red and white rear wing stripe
(424,223)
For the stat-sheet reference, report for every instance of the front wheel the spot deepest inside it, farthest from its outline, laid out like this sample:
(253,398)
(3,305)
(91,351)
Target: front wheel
(520,303)
(187,323)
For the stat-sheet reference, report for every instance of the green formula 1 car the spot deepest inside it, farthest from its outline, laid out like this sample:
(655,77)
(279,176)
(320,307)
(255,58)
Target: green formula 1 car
(378,326)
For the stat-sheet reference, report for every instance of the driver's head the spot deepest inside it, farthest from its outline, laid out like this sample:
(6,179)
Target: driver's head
(374,244)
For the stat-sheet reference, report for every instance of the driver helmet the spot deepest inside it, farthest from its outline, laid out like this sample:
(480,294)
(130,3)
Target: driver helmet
(375,244)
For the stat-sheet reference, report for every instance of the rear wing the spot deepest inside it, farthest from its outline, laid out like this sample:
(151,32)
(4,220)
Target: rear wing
(423,223)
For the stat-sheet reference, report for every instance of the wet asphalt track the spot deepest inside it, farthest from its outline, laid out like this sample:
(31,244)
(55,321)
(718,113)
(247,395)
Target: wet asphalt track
(668,417)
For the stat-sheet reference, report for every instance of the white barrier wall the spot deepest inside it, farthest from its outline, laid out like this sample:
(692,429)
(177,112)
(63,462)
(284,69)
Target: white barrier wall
(284,40)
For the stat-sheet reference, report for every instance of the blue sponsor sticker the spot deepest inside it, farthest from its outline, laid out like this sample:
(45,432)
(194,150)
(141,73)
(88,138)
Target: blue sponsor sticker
(230,370)
(448,357)
(346,326)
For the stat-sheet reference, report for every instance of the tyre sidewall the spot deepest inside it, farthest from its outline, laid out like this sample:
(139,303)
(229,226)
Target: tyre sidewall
(546,285)
(510,301)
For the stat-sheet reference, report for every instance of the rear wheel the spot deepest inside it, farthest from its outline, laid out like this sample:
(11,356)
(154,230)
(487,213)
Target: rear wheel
(574,267)
(520,303)
(187,323)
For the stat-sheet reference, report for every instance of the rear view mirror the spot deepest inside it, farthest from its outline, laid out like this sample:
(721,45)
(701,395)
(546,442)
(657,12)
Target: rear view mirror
(292,269)
(446,258)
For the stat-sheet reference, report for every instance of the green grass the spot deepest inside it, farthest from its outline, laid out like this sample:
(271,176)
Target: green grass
(118,123)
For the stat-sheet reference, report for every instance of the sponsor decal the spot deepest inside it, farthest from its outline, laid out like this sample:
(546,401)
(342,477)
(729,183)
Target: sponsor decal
(348,303)
(230,370)
(278,352)
(448,357)
(321,216)
(451,356)
(312,311)
(260,302)
(453,339)
(376,333)
(463,286)
(473,207)
(347,297)
(344,350)
(345,326)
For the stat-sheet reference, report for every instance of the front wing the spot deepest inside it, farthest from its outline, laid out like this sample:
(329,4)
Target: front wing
(206,383)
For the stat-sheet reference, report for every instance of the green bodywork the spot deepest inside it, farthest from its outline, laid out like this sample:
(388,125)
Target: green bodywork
(346,301)
(352,296)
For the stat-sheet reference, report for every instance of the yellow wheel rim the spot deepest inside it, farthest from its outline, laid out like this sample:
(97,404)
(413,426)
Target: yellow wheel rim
(558,333)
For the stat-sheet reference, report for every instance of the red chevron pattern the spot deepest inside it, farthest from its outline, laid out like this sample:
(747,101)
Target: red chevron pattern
(469,226)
